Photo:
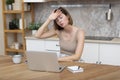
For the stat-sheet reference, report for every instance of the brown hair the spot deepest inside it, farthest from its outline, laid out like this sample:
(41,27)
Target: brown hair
(66,13)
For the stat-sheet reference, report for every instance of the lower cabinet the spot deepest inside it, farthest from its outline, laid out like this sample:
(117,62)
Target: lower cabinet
(101,53)
(42,45)
(52,45)
(35,45)
(110,54)
(90,53)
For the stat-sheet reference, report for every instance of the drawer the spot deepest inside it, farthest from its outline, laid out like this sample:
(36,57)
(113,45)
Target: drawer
(35,45)
(52,46)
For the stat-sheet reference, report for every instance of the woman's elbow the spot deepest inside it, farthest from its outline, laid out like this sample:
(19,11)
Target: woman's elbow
(76,58)
(37,35)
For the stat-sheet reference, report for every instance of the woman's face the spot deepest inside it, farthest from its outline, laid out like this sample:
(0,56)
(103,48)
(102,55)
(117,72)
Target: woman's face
(62,20)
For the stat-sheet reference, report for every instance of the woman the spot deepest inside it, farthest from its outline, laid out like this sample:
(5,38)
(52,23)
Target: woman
(71,38)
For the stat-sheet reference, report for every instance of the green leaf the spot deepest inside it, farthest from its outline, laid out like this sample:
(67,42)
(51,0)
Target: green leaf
(9,2)
(34,26)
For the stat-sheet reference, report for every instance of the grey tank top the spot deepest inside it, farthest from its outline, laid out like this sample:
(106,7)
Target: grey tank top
(68,46)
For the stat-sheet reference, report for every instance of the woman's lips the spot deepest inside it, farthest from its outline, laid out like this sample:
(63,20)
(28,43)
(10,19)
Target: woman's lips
(61,24)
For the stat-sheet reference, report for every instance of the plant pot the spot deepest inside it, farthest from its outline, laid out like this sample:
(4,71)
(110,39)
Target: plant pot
(9,7)
(17,59)
(33,32)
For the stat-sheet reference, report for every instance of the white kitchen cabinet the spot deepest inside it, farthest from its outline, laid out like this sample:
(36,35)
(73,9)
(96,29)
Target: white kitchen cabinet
(101,53)
(35,45)
(52,45)
(90,53)
(42,45)
(110,54)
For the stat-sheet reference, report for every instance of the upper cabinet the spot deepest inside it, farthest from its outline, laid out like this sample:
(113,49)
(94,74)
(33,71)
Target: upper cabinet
(80,1)
(34,1)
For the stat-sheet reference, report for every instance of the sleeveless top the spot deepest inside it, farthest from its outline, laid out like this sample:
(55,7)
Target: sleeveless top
(68,46)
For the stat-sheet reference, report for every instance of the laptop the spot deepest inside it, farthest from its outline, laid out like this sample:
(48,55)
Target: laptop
(43,61)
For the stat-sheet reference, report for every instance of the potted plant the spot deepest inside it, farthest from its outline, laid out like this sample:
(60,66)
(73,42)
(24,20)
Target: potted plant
(14,24)
(9,4)
(34,27)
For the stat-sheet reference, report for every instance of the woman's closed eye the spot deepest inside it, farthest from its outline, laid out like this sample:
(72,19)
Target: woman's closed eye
(59,18)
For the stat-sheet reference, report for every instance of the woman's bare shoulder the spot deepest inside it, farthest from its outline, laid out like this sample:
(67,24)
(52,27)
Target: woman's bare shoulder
(81,32)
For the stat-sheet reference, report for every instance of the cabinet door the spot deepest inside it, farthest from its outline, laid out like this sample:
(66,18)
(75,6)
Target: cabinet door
(90,53)
(110,54)
(52,45)
(35,45)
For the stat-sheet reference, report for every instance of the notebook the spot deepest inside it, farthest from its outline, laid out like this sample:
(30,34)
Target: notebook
(43,61)
(75,69)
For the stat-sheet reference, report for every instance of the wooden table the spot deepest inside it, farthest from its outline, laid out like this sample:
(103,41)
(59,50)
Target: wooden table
(11,71)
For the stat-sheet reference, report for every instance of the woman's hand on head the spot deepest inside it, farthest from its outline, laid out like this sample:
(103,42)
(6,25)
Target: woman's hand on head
(54,14)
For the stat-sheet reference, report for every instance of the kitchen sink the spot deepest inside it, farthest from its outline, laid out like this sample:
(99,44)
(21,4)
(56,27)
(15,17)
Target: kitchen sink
(98,38)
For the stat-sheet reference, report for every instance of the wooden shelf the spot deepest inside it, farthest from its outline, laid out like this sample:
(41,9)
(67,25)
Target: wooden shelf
(15,14)
(12,11)
(14,50)
(14,31)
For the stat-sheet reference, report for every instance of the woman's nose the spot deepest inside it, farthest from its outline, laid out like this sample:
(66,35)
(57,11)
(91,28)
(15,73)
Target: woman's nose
(60,21)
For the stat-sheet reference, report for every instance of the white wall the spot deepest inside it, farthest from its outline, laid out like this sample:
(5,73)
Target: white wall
(1,31)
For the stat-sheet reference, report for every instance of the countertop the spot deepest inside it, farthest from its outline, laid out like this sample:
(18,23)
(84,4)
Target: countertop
(11,71)
(113,41)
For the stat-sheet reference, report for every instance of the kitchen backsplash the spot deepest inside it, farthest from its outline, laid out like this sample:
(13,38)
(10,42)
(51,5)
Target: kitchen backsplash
(90,17)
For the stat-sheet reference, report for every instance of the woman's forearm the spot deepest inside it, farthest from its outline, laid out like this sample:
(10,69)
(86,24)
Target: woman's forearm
(52,17)
(68,58)
(41,30)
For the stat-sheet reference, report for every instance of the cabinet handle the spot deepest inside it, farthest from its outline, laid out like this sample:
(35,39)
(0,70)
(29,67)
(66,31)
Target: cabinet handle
(51,50)
(81,60)
(98,62)
(57,45)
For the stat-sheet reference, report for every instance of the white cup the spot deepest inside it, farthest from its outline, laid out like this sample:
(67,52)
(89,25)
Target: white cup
(17,59)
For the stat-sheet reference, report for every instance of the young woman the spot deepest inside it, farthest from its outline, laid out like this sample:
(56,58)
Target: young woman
(71,38)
